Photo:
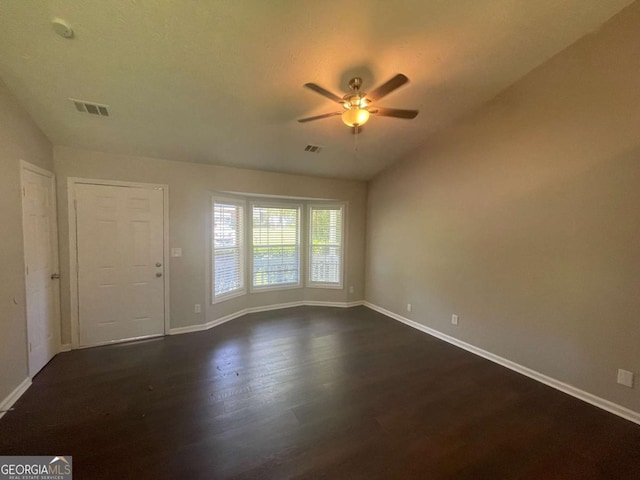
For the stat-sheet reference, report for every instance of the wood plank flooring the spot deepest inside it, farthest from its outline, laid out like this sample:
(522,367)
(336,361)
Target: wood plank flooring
(310,392)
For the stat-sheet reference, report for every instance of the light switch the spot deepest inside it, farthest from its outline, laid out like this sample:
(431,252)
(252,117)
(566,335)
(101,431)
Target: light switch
(176,252)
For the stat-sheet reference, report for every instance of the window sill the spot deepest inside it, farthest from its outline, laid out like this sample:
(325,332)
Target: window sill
(228,296)
(273,288)
(331,286)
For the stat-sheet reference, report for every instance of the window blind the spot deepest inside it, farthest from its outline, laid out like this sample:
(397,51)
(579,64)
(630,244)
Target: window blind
(325,245)
(228,251)
(275,245)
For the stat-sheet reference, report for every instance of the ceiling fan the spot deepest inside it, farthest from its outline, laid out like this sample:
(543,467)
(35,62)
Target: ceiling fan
(357,105)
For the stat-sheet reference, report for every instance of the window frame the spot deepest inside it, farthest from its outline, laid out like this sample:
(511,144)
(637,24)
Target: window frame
(300,241)
(327,206)
(220,199)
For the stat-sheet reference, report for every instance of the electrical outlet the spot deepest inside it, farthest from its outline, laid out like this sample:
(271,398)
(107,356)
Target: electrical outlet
(454,319)
(351,289)
(625,378)
(197,308)
(409,307)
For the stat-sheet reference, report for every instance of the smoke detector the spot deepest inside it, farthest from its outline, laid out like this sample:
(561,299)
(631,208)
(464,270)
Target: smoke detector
(62,28)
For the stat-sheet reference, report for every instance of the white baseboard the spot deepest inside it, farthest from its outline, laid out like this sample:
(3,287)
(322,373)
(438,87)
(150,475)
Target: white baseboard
(265,308)
(10,399)
(312,303)
(357,303)
(65,347)
(599,402)
(275,306)
(208,325)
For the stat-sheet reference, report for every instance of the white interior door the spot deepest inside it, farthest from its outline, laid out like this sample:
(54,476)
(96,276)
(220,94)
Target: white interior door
(41,266)
(120,255)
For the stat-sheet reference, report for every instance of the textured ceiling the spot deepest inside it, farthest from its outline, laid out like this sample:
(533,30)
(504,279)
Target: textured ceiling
(221,81)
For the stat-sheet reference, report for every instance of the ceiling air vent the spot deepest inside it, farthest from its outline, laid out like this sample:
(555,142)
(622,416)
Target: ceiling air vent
(312,149)
(92,108)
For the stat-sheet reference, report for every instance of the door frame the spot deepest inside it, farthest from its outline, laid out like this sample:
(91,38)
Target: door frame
(26,166)
(73,251)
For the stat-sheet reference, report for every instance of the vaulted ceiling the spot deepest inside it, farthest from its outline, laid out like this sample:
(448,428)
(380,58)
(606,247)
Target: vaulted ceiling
(221,82)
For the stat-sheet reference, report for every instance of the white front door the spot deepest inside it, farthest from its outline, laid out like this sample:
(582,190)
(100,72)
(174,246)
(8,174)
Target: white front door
(41,265)
(120,255)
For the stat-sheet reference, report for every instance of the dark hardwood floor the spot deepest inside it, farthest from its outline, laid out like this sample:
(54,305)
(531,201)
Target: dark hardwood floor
(310,392)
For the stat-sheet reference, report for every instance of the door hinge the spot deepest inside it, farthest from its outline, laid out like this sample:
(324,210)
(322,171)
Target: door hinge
(29,347)
(24,192)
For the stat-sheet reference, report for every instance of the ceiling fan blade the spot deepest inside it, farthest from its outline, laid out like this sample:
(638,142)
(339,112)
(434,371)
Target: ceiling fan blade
(387,87)
(318,117)
(324,92)
(394,112)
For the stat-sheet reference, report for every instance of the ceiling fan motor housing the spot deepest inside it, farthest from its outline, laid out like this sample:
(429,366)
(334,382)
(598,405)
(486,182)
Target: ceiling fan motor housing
(354,100)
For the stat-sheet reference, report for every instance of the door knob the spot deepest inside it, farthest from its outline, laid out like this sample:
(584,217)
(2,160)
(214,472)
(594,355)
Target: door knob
(55,276)
(158,274)
(158,264)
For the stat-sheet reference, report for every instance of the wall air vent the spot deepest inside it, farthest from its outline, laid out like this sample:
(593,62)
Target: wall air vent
(92,108)
(312,149)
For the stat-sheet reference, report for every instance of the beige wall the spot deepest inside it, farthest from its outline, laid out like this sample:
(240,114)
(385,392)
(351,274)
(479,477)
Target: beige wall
(20,139)
(523,219)
(191,186)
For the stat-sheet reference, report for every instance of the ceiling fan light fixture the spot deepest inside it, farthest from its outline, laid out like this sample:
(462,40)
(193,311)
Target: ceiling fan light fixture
(355,117)
(356,103)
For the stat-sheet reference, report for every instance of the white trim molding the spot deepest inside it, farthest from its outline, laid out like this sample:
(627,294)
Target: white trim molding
(590,398)
(313,303)
(265,308)
(342,207)
(13,397)
(54,252)
(301,239)
(241,246)
(73,249)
